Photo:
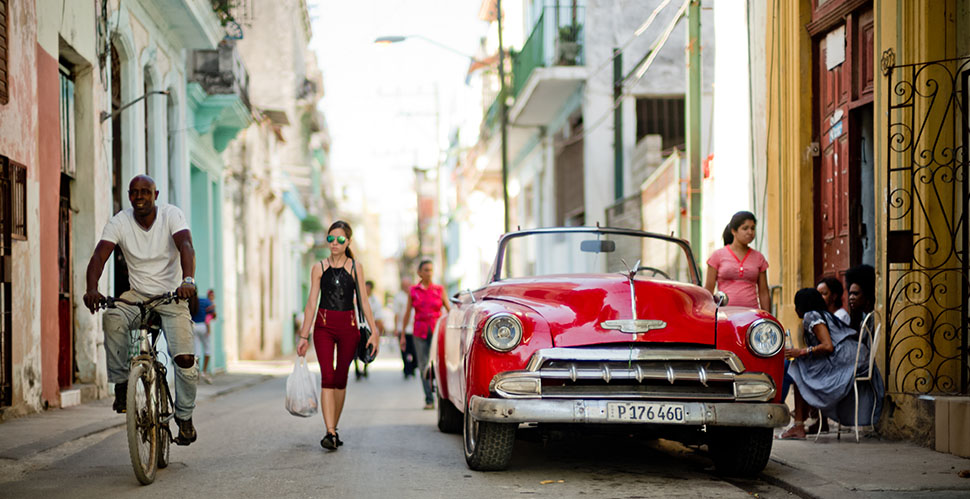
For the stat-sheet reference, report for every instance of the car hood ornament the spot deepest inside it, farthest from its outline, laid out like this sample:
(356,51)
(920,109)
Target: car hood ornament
(635,325)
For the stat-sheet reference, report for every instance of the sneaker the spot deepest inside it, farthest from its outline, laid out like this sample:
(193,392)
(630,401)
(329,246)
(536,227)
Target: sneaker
(429,406)
(206,378)
(187,433)
(329,442)
(336,438)
(121,398)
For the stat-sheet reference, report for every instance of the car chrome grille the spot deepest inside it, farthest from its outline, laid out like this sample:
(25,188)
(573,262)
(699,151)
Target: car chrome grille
(711,380)
(634,373)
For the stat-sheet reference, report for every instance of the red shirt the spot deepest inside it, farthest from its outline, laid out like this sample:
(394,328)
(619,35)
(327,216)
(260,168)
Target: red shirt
(427,304)
(738,279)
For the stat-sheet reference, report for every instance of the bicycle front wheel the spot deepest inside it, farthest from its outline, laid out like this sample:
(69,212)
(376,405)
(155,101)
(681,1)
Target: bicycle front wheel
(142,419)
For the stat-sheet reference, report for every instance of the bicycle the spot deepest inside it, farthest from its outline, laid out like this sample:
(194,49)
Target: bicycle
(149,399)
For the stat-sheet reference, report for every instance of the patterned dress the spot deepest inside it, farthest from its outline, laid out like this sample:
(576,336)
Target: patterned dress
(825,381)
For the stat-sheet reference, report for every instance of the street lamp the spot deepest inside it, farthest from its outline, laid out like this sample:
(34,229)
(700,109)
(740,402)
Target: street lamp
(503,108)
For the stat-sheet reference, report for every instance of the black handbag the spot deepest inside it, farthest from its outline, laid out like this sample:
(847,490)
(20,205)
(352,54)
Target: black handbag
(365,353)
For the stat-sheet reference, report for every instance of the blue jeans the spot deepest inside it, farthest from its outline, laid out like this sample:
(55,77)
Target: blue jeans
(422,347)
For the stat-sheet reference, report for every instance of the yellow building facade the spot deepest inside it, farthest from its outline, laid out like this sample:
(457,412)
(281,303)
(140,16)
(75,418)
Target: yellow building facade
(867,163)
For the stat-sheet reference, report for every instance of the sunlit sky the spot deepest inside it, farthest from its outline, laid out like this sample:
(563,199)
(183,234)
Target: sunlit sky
(380,99)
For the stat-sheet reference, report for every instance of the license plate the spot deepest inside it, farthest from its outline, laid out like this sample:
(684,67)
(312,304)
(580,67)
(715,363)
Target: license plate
(645,412)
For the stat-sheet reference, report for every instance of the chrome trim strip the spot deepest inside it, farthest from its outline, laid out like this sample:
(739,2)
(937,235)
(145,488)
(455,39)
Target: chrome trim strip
(634,326)
(632,353)
(594,411)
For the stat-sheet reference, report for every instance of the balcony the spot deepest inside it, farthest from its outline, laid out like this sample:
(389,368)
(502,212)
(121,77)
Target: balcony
(219,90)
(550,66)
(193,22)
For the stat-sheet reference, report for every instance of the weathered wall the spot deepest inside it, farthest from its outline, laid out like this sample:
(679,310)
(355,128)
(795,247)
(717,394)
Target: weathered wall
(18,132)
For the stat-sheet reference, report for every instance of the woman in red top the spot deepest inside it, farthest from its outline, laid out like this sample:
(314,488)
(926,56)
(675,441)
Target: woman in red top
(426,298)
(739,270)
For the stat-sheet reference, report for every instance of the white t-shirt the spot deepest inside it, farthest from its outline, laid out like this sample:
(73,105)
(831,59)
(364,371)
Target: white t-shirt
(400,304)
(153,260)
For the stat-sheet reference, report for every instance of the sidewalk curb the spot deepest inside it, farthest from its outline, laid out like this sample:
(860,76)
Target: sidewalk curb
(30,450)
(806,485)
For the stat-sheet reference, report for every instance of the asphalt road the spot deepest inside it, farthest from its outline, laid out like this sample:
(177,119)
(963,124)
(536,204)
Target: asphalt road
(249,446)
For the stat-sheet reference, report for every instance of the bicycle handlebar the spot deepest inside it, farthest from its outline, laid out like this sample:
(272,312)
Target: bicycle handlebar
(109,301)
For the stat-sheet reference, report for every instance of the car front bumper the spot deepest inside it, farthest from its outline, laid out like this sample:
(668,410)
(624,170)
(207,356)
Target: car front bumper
(499,410)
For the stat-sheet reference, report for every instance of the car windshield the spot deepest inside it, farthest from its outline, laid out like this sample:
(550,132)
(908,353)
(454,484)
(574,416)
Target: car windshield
(593,251)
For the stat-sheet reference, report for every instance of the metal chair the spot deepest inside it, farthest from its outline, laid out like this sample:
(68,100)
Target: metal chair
(869,330)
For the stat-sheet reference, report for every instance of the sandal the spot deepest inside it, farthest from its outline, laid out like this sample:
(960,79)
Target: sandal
(796,432)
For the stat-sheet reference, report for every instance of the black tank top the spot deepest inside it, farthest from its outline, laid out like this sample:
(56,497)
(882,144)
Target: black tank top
(336,289)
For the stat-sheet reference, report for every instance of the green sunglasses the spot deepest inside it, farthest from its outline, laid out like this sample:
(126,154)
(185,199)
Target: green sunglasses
(340,239)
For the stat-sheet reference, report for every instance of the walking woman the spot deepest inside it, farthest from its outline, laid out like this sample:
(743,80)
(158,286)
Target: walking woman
(334,321)
(739,270)
(426,299)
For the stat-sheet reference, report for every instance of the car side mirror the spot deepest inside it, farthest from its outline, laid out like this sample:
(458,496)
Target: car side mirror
(720,298)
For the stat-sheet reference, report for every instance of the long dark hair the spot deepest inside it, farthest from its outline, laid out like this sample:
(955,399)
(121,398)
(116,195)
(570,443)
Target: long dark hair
(736,222)
(340,224)
(835,288)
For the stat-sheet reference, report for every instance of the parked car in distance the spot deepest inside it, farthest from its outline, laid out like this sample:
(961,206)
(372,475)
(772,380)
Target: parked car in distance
(587,325)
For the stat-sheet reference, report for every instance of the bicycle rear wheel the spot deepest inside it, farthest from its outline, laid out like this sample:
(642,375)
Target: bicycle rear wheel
(142,421)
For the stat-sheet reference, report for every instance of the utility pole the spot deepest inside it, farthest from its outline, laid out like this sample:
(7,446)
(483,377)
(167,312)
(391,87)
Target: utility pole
(503,117)
(694,121)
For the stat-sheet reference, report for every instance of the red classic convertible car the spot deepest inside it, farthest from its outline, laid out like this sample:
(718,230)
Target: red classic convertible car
(604,326)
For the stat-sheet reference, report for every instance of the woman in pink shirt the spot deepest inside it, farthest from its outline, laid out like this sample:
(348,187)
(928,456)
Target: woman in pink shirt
(426,298)
(739,270)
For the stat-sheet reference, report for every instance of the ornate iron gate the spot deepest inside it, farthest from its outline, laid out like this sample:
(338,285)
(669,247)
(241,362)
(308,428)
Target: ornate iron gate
(927,282)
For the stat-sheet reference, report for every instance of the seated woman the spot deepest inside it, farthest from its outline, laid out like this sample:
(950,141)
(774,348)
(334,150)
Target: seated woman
(823,371)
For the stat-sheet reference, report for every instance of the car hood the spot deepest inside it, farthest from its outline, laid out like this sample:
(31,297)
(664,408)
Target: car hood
(576,308)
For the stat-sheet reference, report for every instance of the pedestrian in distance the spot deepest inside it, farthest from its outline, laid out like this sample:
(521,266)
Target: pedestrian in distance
(737,269)
(831,290)
(330,310)
(405,333)
(823,371)
(157,246)
(202,317)
(426,300)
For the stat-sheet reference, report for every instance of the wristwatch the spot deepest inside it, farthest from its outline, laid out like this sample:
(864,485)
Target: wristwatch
(188,280)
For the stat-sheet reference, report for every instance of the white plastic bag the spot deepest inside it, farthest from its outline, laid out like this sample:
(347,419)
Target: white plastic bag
(301,390)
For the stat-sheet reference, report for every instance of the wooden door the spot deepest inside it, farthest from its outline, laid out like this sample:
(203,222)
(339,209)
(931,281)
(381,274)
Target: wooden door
(832,175)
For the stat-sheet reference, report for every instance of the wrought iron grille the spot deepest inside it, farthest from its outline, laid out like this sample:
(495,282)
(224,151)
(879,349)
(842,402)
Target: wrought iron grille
(927,287)
(6,299)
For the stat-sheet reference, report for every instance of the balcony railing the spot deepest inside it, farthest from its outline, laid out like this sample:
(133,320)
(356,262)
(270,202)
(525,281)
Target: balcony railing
(556,40)
(220,71)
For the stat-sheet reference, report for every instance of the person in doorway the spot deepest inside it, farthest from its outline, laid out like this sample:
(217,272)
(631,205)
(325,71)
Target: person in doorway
(831,290)
(737,269)
(426,299)
(335,281)
(861,283)
(405,333)
(203,333)
(157,247)
(823,371)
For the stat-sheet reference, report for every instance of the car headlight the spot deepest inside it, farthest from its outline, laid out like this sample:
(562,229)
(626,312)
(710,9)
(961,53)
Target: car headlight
(503,332)
(765,337)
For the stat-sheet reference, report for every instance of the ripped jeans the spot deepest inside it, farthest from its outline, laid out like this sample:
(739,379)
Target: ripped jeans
(177,325)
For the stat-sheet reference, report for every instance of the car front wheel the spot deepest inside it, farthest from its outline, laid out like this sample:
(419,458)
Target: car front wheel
(488,446)
(740,452)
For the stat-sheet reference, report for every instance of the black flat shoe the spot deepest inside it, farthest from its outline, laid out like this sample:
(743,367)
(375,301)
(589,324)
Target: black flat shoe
(329,442)
(120,404)
(336,438)
(187,433)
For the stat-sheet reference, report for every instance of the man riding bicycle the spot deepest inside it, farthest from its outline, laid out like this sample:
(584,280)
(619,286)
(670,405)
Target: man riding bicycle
(154,239)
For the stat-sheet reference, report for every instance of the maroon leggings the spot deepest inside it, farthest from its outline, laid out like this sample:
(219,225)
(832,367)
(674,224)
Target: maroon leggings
(335,328)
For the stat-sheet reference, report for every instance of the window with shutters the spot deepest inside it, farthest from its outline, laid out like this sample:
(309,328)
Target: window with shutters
(4,50)
(13,198)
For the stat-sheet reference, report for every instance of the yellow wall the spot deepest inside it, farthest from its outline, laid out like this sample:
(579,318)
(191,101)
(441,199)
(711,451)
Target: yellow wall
(789,171)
